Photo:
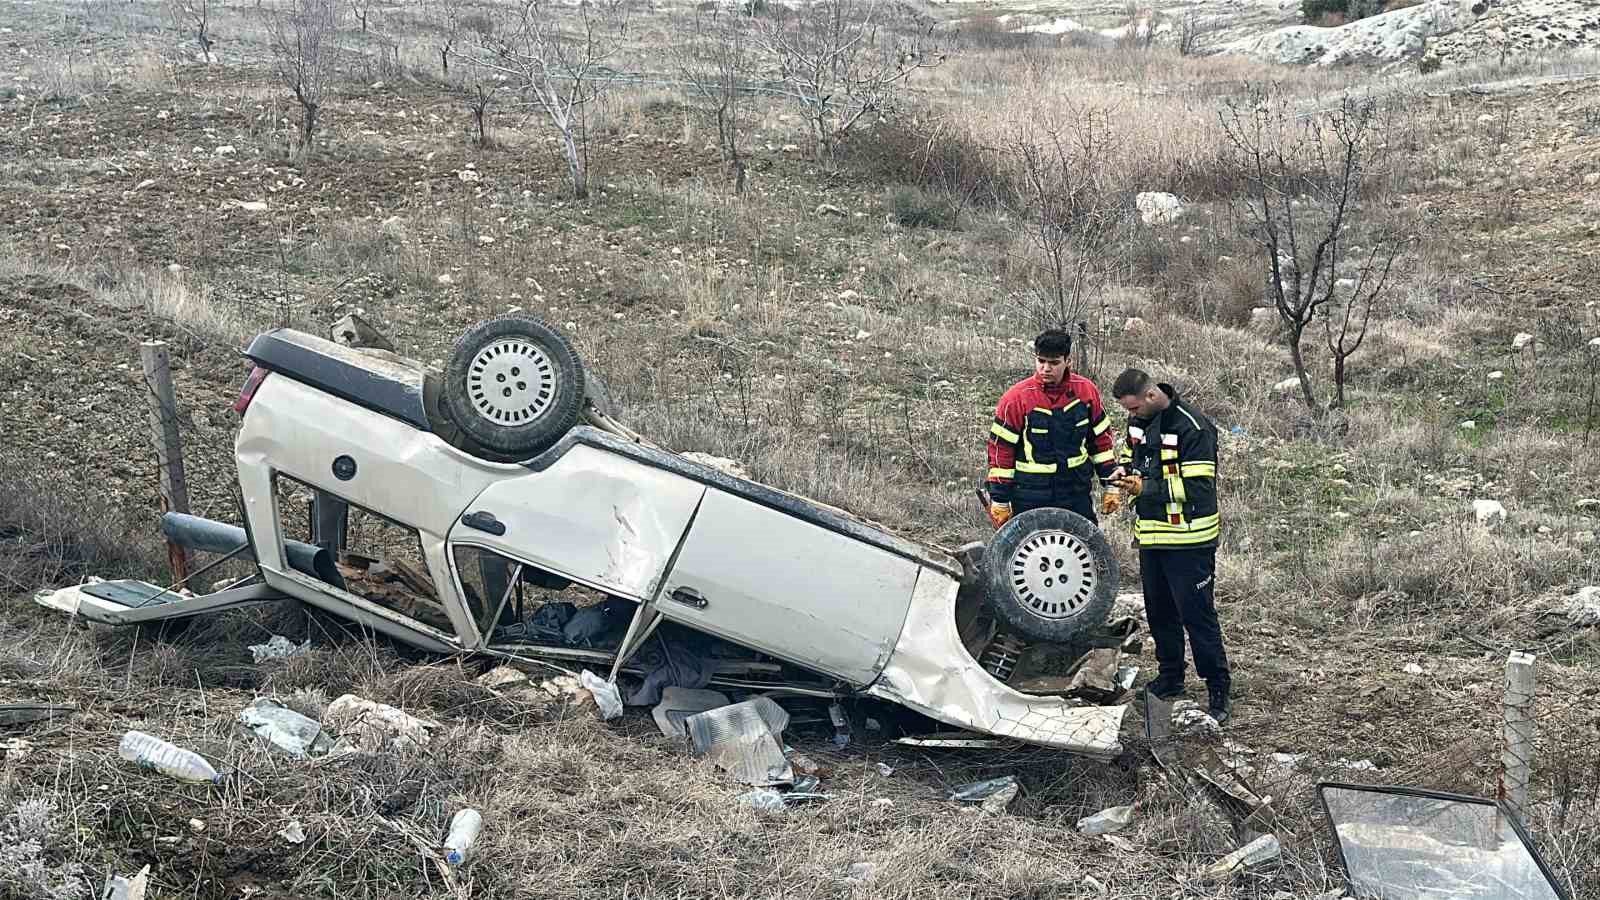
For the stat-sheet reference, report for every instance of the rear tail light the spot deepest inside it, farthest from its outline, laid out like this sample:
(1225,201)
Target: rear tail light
(248,392)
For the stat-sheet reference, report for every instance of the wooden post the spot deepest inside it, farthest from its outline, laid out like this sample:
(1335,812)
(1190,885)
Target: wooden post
(1516,760)
(169,449)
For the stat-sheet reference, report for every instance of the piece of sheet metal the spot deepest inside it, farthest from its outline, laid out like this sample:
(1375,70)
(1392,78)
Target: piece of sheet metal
(743,740)
(932,673)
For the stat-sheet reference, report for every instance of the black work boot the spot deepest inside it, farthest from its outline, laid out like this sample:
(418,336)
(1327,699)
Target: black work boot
(1221,708)
(1166,687)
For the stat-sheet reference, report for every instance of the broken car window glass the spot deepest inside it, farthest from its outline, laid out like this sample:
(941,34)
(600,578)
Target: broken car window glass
(1406,844)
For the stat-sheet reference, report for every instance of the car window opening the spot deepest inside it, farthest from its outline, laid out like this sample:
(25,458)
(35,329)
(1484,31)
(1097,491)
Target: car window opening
(378,558)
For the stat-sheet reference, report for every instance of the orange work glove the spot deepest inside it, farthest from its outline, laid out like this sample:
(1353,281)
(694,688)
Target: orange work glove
(999,513)
(1131,484)
(1110,500)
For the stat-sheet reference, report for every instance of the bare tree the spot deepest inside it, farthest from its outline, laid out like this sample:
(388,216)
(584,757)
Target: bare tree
(1066,195)
(362,10)
(714,55)
(196,15)
(1308,180)
(446,16)
(303,35)
(480,96)
(1190,30)
(561,70)
(838,61)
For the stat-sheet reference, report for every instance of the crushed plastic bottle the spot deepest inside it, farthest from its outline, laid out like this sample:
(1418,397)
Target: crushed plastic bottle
(464,828)
(151,752)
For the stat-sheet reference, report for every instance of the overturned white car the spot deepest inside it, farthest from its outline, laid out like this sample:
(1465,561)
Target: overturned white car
(473,511)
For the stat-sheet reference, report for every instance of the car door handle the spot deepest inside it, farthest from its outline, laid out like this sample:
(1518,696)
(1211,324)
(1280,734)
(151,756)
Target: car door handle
(483,520)
(688,596)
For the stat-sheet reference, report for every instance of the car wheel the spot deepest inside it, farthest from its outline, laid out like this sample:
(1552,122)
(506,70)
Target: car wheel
(514,385)
(1050,575)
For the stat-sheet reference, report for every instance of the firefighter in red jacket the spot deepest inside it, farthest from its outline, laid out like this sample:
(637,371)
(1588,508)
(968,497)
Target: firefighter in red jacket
(1050,436)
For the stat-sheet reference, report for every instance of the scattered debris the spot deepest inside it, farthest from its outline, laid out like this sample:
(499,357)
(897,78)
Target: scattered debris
(1521,340)
(464,828)
(763,800)
(568,685)
(742,739)
(120,888)
(996,803)
(979,791)
(720,463)
(285,729)
(370,727)
(16,749)
(1190,717)
(884,802)
(1260,850)
(805,765)
(197,825)
(606,695)
(828,209)
(151,752)
(293,832)
(502,678)
(1413,669)
(1106,820)
(885,769)
(678,704)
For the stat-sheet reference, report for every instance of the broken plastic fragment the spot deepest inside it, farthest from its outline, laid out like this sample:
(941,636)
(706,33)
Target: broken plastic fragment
(762,800)
(293,832)
(1106,820)
(120,888)
(289,731)
(982,790)
(1260,850)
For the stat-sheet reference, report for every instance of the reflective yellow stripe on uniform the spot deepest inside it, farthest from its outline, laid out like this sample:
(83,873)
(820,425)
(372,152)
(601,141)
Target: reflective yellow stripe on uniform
(1176,493)
(1101,426)
(1033,468)
(1003,433)
(1198,470)
(1104,457)
(1002,473)
(1153,526)
(1078,460)
(1178,538)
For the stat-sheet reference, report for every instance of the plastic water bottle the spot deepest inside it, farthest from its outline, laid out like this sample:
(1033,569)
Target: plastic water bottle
(151,752)
(464,828)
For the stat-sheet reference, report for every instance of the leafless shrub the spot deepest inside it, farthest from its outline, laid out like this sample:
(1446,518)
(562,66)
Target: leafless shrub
(1073,218)
(839,63)
(195,15)
(447,16)
(562,71)
(304,39)
(714,55)
(362,10)
(1307,204)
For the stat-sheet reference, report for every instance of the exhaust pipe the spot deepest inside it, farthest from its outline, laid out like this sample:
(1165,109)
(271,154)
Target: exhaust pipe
(198,533)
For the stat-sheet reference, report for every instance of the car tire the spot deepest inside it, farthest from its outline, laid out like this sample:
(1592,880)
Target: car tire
(1050,575)
(514,385)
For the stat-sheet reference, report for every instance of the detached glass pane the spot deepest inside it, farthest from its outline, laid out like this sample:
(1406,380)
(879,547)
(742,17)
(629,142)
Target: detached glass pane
(1404,846)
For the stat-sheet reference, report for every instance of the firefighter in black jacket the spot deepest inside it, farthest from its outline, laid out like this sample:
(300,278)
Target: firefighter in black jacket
(1169,464)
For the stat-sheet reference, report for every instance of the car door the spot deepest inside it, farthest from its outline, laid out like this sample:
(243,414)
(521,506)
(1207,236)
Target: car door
(788,587)
(597,518)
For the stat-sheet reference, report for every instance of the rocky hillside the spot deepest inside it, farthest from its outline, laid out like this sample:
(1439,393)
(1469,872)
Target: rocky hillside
(1455,31)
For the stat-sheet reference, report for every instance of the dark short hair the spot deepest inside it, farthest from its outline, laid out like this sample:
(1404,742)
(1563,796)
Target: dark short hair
(1052,342)
(1131,383)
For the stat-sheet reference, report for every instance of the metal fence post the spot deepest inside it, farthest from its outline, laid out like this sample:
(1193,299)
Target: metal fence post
(1516,760)
(164,436)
